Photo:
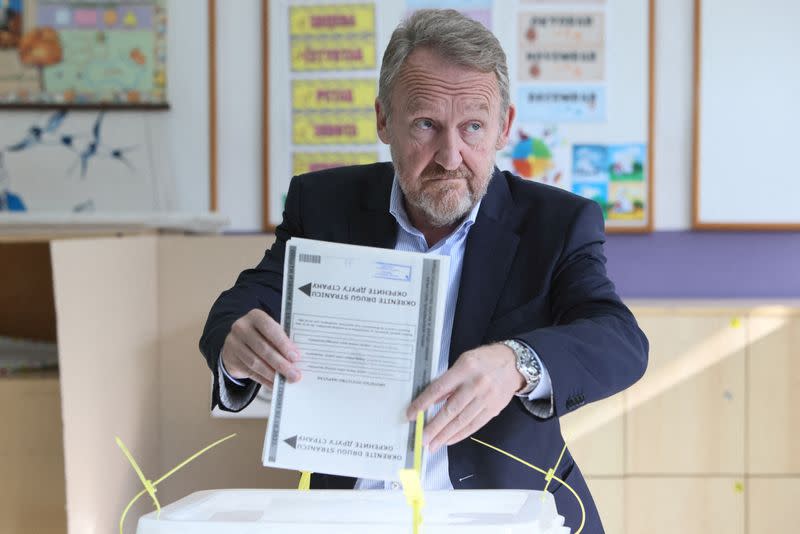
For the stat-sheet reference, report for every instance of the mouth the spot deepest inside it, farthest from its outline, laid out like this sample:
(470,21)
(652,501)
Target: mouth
(445,177)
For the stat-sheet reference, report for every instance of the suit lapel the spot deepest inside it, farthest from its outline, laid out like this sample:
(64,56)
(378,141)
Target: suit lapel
(371,224)
(490,250)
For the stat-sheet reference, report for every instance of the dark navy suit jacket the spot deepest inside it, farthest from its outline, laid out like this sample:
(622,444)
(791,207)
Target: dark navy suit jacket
(534,269)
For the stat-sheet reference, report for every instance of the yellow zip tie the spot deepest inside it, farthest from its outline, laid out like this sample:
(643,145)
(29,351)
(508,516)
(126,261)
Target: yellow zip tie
(546,474)
(150,487)
(552,472)
(418,442)
(305,481)
(411,479)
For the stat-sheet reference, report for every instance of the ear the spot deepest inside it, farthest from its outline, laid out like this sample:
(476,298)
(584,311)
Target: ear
(381,123)
(505,130)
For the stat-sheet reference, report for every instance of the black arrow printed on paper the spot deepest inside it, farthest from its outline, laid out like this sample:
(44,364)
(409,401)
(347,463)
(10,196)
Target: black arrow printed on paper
(305,289)
(292,442)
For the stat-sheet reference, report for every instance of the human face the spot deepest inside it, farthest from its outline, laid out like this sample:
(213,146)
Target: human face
(444,130)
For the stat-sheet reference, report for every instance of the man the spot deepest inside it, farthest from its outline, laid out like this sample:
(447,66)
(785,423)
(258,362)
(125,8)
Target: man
(533,326)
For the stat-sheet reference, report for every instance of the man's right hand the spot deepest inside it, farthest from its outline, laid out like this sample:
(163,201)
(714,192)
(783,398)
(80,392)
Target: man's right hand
(257,347)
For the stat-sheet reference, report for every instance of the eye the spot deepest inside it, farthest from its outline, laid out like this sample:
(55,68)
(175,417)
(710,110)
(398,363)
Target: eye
(423,124)
(473,127)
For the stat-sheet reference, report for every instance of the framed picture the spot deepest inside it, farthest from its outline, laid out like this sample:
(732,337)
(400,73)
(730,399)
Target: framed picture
(105,164)
(746,112)
(63,53)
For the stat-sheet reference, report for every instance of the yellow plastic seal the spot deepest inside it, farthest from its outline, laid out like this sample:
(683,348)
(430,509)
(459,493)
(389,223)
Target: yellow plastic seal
(305,481)
(150,487)
(411,479)
(549,475)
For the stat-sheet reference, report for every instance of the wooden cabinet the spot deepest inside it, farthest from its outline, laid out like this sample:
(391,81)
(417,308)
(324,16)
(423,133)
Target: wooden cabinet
(686,416)
(596,434)
(773,414)
(609,496)
(707,441)
(772,503)
(689,505)
(32,490)
(126,313)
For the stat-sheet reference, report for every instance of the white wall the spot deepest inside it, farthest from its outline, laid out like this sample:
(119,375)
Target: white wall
(239,112)
(187,121)
(674,105)
(239,79)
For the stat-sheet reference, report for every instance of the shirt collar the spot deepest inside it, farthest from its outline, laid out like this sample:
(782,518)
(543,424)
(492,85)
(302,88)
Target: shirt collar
(398,210)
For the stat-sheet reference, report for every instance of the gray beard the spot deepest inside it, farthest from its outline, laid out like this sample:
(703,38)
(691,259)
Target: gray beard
(439,214)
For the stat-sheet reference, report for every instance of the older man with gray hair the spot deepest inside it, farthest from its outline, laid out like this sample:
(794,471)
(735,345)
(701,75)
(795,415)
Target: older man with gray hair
(533,327)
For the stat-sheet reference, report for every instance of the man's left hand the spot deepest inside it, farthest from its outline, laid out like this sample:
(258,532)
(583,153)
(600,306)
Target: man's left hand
(475,389)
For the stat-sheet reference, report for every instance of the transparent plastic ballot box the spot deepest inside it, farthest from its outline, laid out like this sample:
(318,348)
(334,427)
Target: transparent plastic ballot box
(240,511)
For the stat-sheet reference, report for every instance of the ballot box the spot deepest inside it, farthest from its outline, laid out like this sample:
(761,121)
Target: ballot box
(238,511)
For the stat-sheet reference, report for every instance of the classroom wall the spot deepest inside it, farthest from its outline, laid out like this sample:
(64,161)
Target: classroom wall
(185,127)
(239,78)
(238,45)
(671,262)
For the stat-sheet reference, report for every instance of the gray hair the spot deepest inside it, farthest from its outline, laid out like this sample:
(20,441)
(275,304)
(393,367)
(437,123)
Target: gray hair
(455,37)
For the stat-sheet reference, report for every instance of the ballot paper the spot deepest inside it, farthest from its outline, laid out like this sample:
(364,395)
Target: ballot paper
(368,323)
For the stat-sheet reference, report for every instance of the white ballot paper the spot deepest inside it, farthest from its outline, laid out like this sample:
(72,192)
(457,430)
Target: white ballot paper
(368,323)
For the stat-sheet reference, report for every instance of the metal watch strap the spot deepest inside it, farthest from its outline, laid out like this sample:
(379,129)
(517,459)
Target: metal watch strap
(527,365)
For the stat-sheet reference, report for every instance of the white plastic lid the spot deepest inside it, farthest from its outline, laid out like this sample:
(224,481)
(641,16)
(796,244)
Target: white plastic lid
(240,511)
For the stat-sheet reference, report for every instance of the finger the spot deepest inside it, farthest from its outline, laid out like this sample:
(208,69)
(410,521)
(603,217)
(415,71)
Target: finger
(240,370)
(273,332)
(452,409)
(265,352)
(264,381)
(282,365)
(254,366)
(476,424)
(436,391)
(457,425)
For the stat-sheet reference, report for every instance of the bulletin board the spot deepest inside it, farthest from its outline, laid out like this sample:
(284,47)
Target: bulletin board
(108,53)
(106,166)
(747,114)
(581,76)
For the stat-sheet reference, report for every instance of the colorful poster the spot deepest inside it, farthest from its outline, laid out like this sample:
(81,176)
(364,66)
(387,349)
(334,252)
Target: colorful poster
(614,177)
(334,128)
(561,47)
(336,109)
(335,94)
(333,54)
(331,20)
(101,52)
(332,37)
(303,162)
(538,153)
(480,10)
(561,103)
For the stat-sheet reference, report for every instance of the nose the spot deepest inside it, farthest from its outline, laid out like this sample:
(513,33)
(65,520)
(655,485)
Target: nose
(448,154)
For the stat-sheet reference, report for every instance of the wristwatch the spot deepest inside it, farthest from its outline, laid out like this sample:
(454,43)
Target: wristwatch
(527,365)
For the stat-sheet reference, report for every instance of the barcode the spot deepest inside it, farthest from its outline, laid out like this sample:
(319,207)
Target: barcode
(310,258)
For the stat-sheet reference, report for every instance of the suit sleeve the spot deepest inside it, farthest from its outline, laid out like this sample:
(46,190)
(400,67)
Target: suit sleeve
(595,347)
(256,288)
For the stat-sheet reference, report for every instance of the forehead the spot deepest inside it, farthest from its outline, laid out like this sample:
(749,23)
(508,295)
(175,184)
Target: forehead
(426,79)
